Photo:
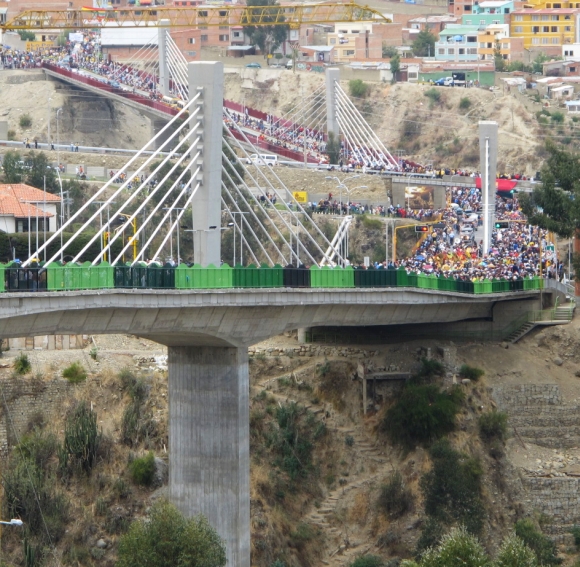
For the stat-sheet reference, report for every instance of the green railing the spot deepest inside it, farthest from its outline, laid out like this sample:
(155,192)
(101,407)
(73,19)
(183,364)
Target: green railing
(61,277)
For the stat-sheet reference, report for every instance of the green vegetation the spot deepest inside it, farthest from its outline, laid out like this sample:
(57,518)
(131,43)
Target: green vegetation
(493,425)
(358,88)
(424,44)
(367,561)
(137,424)
(333,149)
(452,488)
(75,373)
(395,499)
(143,469)
(433,95)
(22,364)
(465,103)
(429,371)
(267,37)
(422,414)
(30,484)
(471,372)
(395,66)
(25,121)
(388,51)
(370,223)
(26,35)
(542,546)
(81,440)
(557,116)
(575,531)
(167,538)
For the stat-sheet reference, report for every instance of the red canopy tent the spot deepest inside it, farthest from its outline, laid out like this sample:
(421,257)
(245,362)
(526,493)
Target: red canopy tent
(500,184)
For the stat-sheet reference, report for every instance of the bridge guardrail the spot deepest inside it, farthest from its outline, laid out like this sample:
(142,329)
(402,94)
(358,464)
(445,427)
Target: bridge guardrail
(65,277)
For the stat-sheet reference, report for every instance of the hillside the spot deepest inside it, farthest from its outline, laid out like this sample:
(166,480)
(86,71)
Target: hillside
(329,504)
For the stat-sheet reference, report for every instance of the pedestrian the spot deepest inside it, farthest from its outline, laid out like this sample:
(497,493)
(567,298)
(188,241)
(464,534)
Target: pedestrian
(72,147)
(76,147)
(52,146)
(35,144)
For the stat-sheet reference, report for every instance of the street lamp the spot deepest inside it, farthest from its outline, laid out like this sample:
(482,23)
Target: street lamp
(58,137)
(12,522)
(241,233)
(340,185)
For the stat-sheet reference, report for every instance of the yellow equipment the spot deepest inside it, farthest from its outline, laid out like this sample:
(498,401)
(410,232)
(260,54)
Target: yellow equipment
(292,16)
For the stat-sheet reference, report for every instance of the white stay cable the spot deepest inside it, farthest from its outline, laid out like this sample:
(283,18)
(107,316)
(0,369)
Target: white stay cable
(167,214)
(250,210)
(149,198)
(287,116)
(143,55)
(169,126)
(363,124)
(178,75)
(357,147)
(280,216)
(288,193)
(142,188)
(178,61)
(248,247)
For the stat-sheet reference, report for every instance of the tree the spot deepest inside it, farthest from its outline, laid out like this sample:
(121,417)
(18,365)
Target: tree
(12,166)
(267,37)
(538,63)
(395,66)
(389,51)
(424,44)
(26,35)
(167,538)
(515,553)
(358,88)
(39,169)
(498,57)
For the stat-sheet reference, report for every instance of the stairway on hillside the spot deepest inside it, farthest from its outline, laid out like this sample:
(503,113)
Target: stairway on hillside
(538,416)
(341,546)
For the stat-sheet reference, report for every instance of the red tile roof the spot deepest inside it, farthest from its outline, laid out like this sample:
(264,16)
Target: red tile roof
(16,200)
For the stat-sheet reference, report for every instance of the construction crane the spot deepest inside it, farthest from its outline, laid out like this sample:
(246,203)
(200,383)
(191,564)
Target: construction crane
(292,16)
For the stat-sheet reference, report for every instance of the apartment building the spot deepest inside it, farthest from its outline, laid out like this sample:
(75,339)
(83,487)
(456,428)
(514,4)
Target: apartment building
(489,12)
(547,29)
(510,48)
(457,43)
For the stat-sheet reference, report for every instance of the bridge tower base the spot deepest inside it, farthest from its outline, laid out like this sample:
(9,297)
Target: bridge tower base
(209,441)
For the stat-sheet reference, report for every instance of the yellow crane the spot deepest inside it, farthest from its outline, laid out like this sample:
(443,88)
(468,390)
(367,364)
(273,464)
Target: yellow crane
(191,17)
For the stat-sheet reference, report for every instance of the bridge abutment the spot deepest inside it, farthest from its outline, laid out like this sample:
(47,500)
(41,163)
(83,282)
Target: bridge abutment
(209,441)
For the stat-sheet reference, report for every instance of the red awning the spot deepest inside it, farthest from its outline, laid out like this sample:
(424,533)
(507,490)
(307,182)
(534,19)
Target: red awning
(500,184)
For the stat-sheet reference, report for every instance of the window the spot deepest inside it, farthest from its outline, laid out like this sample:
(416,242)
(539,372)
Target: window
(495,22)
(441,51)
(224,37)
(202,27)
(222,13)
(191,40)
(572,69)
(545,29)
(332,41)
(519,29)
(567,28)
(348,52)
(506,10)
(518,18)
(505,45)
(467,8)
(451,51)
(224,27)
(468,22)
(202,13)
(482,22)
(204,38)
(554,29)
(237,34)
(555,18)
(535,18)
(545,40)
(535,41)
(535,29)
(191,53)
(555,41)
(489,45)
(471,51)
(355,31)
(482,45)
(461,51)
(545,17)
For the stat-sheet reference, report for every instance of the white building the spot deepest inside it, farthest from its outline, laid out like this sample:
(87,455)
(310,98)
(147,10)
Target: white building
(26,209)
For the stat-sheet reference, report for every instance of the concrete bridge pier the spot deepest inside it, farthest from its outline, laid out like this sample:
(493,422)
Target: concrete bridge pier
(158,124)
(209,441)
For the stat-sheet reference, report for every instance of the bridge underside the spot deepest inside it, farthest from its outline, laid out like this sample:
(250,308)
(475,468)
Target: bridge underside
(208,334)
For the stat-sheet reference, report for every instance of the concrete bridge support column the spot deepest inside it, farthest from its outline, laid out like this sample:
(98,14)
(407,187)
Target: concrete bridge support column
(488,164)
(158,124)
(209,441)
(332,77)
(162,53)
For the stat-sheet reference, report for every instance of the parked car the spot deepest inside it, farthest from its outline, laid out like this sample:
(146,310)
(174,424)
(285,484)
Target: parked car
(444,82)
(254,66)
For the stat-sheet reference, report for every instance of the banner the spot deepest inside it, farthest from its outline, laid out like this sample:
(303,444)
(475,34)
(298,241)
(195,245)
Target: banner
(300,196)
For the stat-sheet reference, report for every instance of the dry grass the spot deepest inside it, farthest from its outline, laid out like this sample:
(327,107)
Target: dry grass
(359,511)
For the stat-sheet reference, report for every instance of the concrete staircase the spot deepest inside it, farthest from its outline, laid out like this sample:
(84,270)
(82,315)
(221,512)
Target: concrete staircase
(520,332)
(559,315)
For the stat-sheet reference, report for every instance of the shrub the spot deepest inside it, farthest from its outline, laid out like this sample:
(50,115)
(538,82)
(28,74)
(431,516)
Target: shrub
(371,223)
(143,469)
(431,534)
(464,103)
(81,439)
(471,372)
(12,135)
(557,116)
(167,538)
(452,488)
(421,415)
(395,499)
(575,531)
(515,553)
(367,561)
(358,88)
(493,425)
(75,373)
(22,364)
(433,95)
(94,353)
(457,549)
(25,121)
(349,440)
(429,370)
(543,547)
